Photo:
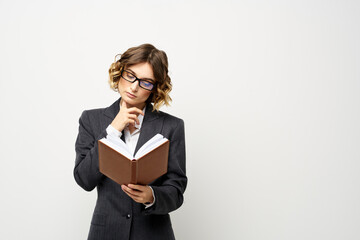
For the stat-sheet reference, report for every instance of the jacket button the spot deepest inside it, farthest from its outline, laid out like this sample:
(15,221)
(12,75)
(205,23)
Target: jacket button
(128,216)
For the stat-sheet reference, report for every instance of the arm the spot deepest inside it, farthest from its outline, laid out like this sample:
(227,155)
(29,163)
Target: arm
(86,171)
(169,189)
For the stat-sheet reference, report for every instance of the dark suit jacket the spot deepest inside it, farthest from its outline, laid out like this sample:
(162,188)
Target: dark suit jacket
(116,215)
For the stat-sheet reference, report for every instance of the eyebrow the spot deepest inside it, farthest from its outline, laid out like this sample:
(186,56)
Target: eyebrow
(146,79)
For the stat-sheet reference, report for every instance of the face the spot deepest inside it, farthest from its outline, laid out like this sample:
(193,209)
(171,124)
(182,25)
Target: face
(132,93)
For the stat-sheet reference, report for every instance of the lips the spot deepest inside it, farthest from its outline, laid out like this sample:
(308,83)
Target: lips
(130,95)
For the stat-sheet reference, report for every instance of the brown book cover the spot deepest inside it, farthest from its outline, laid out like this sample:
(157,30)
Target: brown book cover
(142,171)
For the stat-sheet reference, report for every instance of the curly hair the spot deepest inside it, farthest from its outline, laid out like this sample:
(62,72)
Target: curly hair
(159,63)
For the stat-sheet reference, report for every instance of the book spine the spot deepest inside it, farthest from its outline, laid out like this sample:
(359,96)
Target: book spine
(134,172)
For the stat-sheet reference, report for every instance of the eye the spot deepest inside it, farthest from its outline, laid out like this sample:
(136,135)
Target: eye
(129,76)
(146,84)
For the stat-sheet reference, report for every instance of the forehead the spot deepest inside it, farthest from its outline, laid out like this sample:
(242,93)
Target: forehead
(142,70)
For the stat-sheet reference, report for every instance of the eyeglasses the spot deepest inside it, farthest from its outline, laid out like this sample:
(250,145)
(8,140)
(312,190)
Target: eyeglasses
(145,84)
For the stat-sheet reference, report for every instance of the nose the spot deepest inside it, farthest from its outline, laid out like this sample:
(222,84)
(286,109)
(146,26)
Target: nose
(135,86)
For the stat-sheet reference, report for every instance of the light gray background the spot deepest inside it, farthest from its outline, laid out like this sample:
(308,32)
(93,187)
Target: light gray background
(269,91)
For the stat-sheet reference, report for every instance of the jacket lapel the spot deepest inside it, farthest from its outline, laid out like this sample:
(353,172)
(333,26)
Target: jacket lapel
(152,124)
(113,109)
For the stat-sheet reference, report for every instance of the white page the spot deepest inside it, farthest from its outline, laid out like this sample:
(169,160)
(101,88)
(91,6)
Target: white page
(118,145)
(154,142)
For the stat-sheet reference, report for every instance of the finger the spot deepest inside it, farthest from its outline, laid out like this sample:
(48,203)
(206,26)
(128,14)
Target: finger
(134,118)
(135,110)
(131,121)
(136,198)
(123,104)
(139,199)
(137,187)
(131,196)
(130,191)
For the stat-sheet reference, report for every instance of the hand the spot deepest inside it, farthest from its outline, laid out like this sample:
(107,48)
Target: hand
(139,193)
(126,116)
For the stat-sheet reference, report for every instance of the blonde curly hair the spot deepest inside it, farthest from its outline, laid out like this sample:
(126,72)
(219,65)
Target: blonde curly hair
(159,63)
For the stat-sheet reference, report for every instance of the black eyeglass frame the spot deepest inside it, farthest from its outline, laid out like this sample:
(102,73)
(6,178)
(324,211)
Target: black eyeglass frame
(137,79)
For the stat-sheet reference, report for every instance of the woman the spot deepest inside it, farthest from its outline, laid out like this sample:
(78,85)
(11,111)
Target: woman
(133,211)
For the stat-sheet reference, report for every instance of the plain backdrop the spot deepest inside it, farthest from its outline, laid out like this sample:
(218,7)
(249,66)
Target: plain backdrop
(268,90)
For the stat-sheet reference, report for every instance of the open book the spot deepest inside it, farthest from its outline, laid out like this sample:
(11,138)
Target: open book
(117,163)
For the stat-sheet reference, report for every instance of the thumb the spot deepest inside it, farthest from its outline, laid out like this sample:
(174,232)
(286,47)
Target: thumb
(123,103)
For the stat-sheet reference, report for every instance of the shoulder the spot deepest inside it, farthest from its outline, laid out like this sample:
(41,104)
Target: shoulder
(92,119)
(171,119)
(92,113)
(172,125)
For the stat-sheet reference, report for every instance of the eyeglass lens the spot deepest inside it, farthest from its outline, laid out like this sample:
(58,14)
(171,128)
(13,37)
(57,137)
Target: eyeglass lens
(131,78)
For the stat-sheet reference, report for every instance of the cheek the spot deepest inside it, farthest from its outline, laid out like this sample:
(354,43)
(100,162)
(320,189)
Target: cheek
(146,95)
(121,85)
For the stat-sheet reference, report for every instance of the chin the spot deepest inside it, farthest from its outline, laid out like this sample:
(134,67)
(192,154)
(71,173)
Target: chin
(132,102)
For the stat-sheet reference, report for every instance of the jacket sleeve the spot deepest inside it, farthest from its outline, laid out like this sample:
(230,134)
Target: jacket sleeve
(169,189)
(86,171)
